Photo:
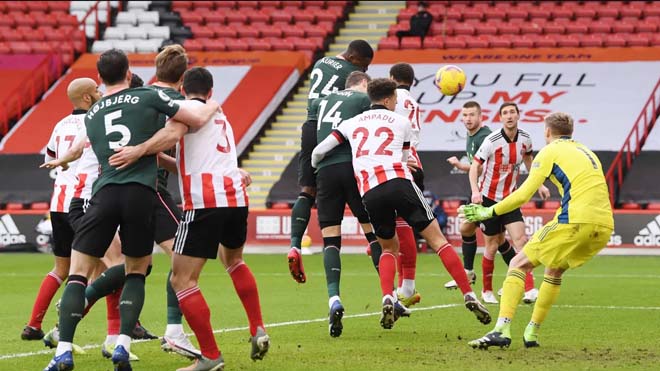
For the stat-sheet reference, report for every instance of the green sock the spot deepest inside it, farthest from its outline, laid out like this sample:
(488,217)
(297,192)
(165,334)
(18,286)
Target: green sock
(375,247)
(131,302)
(332,264)
(507,251)
(300,214)
(112,279)
(173,312)
(72,306)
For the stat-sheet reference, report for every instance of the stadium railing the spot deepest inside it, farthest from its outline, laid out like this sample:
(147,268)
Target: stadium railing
(633,144)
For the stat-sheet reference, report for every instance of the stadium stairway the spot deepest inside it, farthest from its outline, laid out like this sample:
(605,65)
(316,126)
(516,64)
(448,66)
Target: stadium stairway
(370,21)
(279,144)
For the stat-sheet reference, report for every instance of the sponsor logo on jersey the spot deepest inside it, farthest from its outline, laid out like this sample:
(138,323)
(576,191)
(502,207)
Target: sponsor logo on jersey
(649,235)
(9,233)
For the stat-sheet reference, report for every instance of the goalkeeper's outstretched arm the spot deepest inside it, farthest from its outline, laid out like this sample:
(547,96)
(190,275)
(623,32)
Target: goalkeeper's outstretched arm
(521,195)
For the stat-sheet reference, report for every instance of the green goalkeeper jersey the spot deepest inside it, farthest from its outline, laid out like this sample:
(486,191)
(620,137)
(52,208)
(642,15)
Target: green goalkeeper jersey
(127,118)
(330,112)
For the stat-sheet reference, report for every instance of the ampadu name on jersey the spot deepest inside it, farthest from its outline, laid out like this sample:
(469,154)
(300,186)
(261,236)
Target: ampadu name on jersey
(103,103)
(377,116)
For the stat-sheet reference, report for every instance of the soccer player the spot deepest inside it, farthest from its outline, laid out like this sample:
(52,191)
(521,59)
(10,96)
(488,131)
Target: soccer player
(216,210)
(120,198)
(82,93)
(580,229)
(404,76)
(380,141)
(328,75)
(502,153)
(336,184)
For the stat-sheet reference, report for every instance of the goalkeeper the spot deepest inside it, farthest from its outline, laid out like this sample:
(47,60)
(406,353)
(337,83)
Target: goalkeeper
(580,229)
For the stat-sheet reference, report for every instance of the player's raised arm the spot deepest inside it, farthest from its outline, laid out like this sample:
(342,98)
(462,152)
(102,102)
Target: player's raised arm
(330,142)
(164,139)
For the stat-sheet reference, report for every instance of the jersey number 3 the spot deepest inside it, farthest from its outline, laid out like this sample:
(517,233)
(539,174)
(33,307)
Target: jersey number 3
(382,148)
(110,128)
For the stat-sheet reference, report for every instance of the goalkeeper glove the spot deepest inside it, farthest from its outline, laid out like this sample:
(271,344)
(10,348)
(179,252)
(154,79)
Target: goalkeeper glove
(477,213)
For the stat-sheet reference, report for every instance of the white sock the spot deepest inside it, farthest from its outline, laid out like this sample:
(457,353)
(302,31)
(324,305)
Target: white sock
(388,297)
(125,341)
(62,347)
(407,288)
(297,248)
(471,293)
(111,339)
(332,300)
(174,330)
(501,321)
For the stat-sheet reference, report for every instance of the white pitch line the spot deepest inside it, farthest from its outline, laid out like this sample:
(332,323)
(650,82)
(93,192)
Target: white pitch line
(315,320)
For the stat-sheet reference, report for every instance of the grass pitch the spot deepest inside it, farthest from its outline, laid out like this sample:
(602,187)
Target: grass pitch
(607,316)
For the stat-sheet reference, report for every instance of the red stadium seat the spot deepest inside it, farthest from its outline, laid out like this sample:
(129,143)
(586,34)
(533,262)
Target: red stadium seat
(33,35)
(211,18)
(455,43)
(451,205)
(68,20)
(464,29)
(528,205)
(412,42)
(478,42)
(655,39)
(260,45)
(20,47)
(59,6)
(576,28)
(554,28)
(653,206)
(600,27)
(562,13)
(542,11)
(552,205)
(293,32)
(528,28)
(14,206)
(314,3)
(303,17)
(631,206)
(235,17)
(470,14)
(647,26)
(280,44)
(500,42)
(653,10)
(280,206)
(636,40)
(223,4)
(248,32)
(190,18)
(214,45)
(389,43)
(203,5)
(584,12)
(593,40)
(16,6)
(224,31)
(522,42)
(607,11)
(281,16)
(259,17)
(545,41)
(236,45)
(270,4)
(433,42)
(4,48)
(193,45)
(508,29)
(570,41)
(268,30)
(629,11)
(615,40)
(406,14)
(42,206)
(202,32)
(12,35)
(623,27)
(486,29)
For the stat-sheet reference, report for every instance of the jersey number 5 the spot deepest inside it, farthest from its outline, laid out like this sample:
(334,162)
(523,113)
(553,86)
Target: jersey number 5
(110,128)
(382,148)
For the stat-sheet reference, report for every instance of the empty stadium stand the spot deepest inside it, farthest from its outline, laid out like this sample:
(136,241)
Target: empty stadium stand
(532,24)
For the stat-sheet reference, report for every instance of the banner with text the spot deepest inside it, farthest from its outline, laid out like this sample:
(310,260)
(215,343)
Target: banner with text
(604,98)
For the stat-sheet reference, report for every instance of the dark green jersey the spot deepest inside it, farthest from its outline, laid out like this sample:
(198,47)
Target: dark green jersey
(127,118)
(331,111)
(328,76)
(162,173)
(474,141)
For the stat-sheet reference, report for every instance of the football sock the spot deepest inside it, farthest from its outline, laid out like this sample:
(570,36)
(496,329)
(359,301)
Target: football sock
(375,247)
(131,302)
(47,290)
(469,247)
(112,279)
(173,312)
(386,271)
(453,265)
(111,339)
(407,251)
(125,341)
(72,305)
(507,251)
(529,281)
(197,313)
(112,308)
(300,214)
(548,294)
(513,290)
(332,264)
(487,266)
(246,288)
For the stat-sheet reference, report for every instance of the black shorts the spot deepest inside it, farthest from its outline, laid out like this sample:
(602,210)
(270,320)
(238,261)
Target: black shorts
(127,206)
(77,209)
(397,197)
(306,176)
(202,230)
(166,217)
(62,234)
(495,225)
(337,187)
(418,177)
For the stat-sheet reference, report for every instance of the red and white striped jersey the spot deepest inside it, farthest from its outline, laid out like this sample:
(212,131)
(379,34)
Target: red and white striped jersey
(87,170)
(501,159)
(407,106)
(378,138)
(62,138)
(208,167)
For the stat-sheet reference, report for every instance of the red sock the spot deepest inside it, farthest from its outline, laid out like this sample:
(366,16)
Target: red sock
(529,281)
(47,290)
(386,271)
(198,316)
(112,309)
(454,266)
(246,288)
(487,267)
(407,252)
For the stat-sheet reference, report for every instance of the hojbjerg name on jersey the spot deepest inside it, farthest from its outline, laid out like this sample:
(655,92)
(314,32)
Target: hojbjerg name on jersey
(105,103)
